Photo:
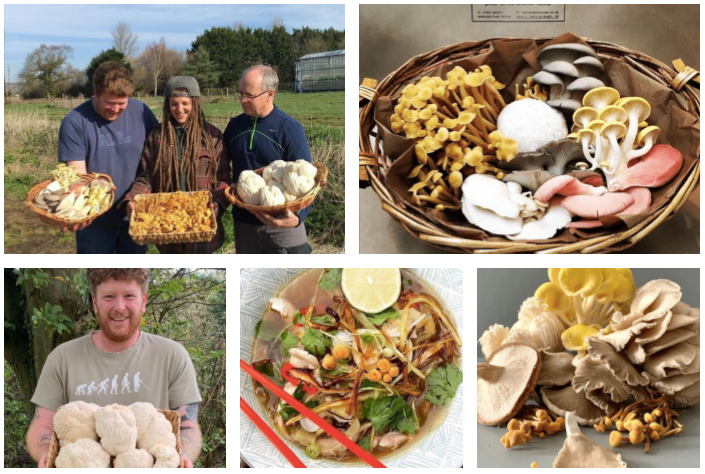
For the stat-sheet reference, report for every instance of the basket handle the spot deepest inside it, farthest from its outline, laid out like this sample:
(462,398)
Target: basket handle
(685,75)
(367,90)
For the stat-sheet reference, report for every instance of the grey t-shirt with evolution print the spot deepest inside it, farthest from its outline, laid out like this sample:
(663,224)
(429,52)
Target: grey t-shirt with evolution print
(155,370)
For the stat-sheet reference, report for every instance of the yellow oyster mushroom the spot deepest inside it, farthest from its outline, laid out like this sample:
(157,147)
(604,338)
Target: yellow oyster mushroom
(553,274)
(554,297)
(580,281)
(574,338)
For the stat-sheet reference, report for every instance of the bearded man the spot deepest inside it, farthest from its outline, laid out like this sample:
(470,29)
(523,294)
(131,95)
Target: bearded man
(138,366)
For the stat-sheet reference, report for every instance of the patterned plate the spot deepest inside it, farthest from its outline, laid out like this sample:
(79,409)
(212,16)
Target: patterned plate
(443,448)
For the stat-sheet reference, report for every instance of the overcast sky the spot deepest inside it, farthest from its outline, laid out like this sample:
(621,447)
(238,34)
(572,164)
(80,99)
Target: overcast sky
(87,28)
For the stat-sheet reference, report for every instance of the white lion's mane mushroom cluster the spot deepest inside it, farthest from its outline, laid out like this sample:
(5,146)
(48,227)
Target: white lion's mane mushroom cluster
(136,436)
(656,345)
(281,182)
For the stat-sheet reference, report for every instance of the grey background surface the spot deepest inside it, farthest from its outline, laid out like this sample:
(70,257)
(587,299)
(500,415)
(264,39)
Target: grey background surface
(500,292)
(390,35)
(679,451)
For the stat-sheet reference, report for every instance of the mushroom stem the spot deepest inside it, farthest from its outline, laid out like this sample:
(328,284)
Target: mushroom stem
(489,373)
(578,305)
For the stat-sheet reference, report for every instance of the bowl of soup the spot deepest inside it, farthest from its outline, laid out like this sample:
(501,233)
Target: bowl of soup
(390,381)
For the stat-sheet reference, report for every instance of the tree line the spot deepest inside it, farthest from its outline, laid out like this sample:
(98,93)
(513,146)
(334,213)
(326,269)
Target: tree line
(216,59)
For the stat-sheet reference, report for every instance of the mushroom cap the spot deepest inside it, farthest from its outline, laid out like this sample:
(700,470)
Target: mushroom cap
(618,129)
(616,362)
(564,52)
(602,387)
(686,397)
(565,104)
(546,226)
(566,400)
(592,62)
(490,221)
(566,186)
(498,401)
(655,168)
(642,201)
(548,79)
(586,134)
(580,451)
(600,97)
(608,204)
(584,115)
(585,84)
(677,357)
(531,179)
(613,113)
(637,106)
(556,369)
(563,152)
(651,131)
(562,67)
(489,193)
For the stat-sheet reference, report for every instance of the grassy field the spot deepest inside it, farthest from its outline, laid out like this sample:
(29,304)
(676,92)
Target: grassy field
(31,142)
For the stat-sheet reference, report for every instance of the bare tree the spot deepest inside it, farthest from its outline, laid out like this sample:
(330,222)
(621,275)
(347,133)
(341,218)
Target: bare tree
(173,62)
(237,26)
(124,40)
(153,59)
(276,22)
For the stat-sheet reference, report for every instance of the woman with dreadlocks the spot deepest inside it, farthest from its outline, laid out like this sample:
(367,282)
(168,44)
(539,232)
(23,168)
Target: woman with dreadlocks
(184,153)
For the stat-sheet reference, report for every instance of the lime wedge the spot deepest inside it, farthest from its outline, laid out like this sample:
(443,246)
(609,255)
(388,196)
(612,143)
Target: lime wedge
(371,290)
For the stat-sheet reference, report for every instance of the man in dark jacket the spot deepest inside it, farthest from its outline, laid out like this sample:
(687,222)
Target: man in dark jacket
(255,138)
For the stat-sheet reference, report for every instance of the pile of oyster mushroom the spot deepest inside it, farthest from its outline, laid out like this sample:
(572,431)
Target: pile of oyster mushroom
(642,343)
(512,168)
(72,197)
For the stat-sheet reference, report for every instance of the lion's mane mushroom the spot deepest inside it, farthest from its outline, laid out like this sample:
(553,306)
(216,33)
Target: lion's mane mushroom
(74,421)
(115,424)
(532,124)
(580,451)
(505,382)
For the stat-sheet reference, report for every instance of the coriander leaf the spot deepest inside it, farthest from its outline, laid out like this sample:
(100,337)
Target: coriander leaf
(379,318)
(315,342)
(443,382)
(299,318)
(384,410)
(323,319)
(407,282)
(368,384)
(289,341)
(288,411)
(404,421)
(331,279)
(365,443)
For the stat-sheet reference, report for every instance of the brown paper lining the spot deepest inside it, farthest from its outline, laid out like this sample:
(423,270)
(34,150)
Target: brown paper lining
(512,61)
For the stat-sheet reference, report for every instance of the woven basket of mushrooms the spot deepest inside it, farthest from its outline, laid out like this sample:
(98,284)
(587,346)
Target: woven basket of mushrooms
(570,145)
(634,359)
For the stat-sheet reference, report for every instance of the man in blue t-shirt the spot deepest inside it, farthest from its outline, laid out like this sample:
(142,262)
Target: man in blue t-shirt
(106,135)
(262,134)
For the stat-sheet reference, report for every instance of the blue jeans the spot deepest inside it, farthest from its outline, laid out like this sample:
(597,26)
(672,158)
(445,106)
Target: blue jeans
(98,239)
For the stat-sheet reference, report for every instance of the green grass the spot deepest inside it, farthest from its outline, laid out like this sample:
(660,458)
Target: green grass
(31,140)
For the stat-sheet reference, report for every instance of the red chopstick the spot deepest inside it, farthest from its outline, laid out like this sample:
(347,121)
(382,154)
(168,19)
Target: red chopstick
(305,411)
(271,435)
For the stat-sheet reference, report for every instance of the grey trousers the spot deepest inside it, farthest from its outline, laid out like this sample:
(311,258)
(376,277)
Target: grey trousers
(264,239)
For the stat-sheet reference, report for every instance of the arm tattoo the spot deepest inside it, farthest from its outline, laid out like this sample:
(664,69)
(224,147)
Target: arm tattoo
(191,412)
(44,440)
(36,413)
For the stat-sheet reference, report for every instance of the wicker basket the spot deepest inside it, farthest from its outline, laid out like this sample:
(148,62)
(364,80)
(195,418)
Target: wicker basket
(174,238)
(374,164)
(172,416)
(293,206)
(51,219)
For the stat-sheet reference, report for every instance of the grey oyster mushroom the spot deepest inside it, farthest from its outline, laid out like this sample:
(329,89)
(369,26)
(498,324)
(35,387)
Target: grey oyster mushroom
(569,71)
(528,179)
(554,157)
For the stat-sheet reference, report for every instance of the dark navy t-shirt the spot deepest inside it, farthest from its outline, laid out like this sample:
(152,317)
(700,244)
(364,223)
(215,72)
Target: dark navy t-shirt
(254,142)
(113,148)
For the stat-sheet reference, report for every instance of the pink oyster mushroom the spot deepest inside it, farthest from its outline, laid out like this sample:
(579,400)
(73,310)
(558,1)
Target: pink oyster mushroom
(656,168)
(642,201)
(566,186)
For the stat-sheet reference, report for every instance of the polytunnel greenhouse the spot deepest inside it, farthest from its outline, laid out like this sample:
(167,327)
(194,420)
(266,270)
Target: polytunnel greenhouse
(320,72)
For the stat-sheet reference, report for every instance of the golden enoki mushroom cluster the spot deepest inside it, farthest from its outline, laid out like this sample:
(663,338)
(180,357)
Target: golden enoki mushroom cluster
(532,420)
(454,123)
(173,213)
(647,421)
